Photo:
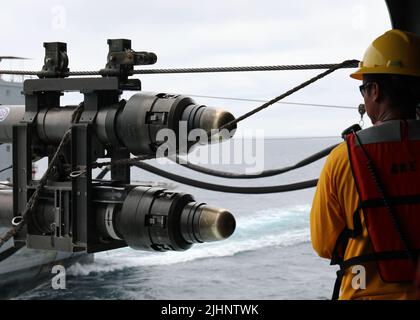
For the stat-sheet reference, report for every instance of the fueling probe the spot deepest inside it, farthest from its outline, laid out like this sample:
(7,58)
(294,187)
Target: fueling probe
(73,211)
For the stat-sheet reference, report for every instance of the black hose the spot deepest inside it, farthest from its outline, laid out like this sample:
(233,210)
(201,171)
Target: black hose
(6,169)
(227,189)
(9,185)
(268,173)
(103,173)
(9,252)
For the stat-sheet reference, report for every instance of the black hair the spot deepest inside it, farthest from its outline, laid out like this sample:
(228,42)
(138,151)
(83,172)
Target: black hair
(402,91)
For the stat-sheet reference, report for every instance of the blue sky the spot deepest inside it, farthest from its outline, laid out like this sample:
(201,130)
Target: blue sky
(186,33)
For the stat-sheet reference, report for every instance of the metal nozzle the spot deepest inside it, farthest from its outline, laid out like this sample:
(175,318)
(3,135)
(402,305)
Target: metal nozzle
(155,219)
(207,118)
(216,224)
(213,119)
(202,223)
(142,122)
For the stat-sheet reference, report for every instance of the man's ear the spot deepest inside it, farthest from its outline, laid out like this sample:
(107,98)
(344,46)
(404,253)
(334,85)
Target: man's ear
(376,92)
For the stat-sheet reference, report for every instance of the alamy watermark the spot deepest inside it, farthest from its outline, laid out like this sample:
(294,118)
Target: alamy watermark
(358,281)
(216,148)
(58,282)
(59,17)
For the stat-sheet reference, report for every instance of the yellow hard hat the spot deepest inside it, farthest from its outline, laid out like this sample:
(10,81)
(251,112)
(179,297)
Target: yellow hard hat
(395,52)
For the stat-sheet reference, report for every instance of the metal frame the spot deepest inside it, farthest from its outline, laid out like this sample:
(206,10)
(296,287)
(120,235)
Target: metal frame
(74,227)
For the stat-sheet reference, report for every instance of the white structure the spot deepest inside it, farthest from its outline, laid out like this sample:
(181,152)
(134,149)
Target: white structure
(10,94)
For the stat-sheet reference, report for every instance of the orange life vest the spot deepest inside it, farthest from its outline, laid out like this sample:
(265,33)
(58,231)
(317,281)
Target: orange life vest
(385,162)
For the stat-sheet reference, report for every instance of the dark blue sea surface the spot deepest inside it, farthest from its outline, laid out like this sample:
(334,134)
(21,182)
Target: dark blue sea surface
(269,256)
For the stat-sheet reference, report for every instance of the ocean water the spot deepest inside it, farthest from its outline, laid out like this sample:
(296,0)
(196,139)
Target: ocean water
(269,256)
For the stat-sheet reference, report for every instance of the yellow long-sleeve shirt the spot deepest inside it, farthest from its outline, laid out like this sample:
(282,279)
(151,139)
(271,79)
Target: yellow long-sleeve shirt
(335,202)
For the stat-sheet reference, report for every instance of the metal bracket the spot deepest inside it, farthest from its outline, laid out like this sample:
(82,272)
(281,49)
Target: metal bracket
(56,60)
(74,224)
(121,62)
(22,171)
(81,185)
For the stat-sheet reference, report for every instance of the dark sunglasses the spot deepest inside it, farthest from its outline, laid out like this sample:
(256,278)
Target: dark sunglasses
(363,88)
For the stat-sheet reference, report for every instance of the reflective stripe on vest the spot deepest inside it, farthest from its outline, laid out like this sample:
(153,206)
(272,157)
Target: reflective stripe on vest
(394,148)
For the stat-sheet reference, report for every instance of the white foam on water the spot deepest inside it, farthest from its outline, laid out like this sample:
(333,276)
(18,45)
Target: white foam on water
(253,233)
(267,217)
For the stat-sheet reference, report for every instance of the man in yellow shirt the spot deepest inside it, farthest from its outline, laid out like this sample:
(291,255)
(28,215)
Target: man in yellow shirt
(366,211)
